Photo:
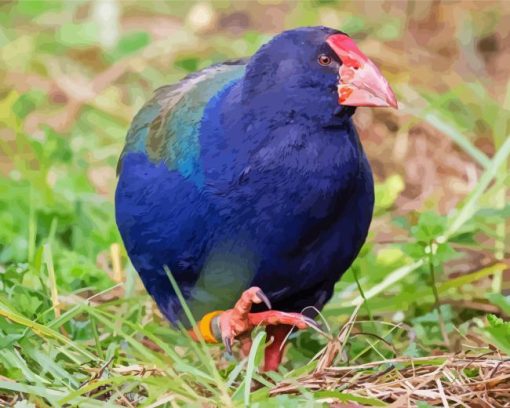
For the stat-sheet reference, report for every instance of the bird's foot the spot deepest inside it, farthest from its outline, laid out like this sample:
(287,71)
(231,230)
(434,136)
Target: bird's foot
(238,322)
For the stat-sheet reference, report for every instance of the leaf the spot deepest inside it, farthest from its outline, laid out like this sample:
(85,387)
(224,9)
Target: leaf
(498,333)
(471,277)
(256,352)
(344,396)
(423,404)
(189,64)
(387,192)
(7,116)
(36,8)
(430,226)
(503,302)
(412,351)
(78,35)
(130,44)
(493,214)
(432,317)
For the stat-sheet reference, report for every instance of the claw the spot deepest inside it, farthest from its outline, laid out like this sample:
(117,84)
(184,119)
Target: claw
(312,323)
(227,341)
(316,326)
(264,298)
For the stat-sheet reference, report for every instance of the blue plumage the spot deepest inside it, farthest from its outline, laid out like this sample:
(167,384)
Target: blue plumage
(246,174)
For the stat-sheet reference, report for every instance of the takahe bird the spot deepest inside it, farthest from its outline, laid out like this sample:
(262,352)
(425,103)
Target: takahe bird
(248,181)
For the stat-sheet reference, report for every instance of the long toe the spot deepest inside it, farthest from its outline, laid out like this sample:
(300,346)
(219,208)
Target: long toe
(274,317)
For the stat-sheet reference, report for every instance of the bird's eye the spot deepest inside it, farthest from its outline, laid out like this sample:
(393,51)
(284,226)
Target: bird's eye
(324,59)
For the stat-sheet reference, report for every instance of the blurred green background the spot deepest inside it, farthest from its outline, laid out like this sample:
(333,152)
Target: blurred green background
(74,73)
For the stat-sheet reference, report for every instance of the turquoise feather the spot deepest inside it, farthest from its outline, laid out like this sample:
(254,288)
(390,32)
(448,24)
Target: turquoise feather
(166,128)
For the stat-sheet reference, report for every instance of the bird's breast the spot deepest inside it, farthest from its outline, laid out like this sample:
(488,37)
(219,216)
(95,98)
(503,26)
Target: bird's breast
(290,187)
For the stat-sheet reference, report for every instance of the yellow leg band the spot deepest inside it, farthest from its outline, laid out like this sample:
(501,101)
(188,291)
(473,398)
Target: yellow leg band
(204,326)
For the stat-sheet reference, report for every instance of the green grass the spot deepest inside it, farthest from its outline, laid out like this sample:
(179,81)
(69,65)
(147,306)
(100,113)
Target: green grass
(75,325)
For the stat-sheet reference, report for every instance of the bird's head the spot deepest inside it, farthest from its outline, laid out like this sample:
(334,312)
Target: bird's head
(321,65)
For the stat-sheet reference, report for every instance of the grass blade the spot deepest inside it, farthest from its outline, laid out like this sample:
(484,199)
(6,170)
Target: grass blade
(470,206)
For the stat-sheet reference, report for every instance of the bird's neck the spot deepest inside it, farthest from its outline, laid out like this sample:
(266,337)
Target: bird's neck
(316,108)
(233,132)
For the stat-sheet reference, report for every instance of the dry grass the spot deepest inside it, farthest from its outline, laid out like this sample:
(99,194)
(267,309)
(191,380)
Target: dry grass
(445,380)
(456,380)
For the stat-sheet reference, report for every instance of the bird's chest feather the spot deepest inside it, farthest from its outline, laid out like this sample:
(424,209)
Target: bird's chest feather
(290,187)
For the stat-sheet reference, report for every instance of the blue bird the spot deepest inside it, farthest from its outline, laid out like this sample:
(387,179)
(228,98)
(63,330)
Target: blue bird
(248,181)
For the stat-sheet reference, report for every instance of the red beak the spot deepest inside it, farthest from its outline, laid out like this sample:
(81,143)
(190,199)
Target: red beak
(361,83)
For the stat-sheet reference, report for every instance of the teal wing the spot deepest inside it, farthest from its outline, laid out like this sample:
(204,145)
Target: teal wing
(166,129)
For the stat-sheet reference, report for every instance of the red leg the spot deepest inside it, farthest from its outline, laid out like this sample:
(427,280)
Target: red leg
(274,351)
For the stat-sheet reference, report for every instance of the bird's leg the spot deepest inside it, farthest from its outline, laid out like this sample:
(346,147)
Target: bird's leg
(238,322)
(274,351)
